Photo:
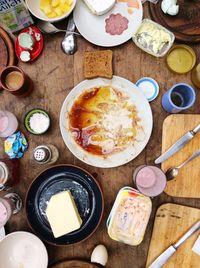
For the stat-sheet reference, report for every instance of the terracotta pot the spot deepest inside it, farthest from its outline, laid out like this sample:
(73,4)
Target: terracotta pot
(24,89)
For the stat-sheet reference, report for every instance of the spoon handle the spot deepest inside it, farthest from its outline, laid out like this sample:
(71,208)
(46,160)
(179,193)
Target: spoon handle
(69,32)
(194,155)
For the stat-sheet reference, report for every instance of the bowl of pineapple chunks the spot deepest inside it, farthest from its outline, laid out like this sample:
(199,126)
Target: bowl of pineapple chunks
(51,10)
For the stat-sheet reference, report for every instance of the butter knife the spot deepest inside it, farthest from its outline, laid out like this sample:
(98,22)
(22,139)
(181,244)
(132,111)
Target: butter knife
(180,143)
(163,258)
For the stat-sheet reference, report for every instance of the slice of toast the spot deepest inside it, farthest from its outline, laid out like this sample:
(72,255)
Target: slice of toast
(98,64)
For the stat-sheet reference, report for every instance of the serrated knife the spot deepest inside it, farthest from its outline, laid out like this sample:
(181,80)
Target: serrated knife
(163,258)
(180,143)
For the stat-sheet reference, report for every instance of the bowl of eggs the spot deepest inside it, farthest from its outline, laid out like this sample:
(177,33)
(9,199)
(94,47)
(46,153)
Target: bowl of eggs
(51,10)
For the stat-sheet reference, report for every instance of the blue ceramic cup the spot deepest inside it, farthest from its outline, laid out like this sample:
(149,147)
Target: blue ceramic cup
(178,98)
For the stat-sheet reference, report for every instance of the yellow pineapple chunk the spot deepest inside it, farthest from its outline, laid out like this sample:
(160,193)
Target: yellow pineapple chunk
(69,2)
(55,3)
(65,8)
(52,15)
(63,2)
(44,3)
(58,11)
(47,10)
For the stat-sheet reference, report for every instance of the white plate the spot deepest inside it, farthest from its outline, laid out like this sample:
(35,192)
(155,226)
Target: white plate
(2,233)
(144,113)
(92,27)
(22,250)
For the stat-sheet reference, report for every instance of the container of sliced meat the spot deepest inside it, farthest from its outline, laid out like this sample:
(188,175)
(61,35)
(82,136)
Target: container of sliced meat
(129,217)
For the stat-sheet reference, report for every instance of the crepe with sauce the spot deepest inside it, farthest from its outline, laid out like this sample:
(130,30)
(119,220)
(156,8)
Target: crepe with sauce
(103,121)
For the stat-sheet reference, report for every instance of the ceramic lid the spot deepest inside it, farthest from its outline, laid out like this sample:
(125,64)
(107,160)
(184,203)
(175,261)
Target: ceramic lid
(149,87)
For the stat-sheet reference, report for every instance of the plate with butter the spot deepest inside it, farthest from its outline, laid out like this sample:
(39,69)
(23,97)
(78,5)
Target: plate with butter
(64,205)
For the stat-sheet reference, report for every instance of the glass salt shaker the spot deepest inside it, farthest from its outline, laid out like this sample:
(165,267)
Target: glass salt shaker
(45,154)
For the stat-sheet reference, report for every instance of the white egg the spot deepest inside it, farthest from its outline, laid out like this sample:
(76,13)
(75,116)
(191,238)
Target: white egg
(100,255)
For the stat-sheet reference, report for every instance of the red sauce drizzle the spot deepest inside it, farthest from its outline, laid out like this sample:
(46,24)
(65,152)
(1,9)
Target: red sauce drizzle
(76,117)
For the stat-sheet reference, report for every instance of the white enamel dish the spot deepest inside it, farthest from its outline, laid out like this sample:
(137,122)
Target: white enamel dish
(144,113)
(22,250)
(92,27)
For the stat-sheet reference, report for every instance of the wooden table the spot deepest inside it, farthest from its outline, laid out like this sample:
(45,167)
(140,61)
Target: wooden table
(54,75)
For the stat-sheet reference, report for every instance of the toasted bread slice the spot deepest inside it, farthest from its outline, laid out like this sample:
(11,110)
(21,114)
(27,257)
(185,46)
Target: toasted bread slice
(98,64)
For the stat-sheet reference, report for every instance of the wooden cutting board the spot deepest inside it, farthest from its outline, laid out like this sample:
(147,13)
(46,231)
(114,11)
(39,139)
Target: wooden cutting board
(7,53)
(171,222)
(187,182)
(74,264)
(185,25)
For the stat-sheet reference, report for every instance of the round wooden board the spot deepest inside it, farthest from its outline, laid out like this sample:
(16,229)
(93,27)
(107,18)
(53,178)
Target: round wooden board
(185,25)
(74,264)
(7,53)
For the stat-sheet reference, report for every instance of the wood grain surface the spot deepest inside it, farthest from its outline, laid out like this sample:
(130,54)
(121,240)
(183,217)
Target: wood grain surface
(54,75)
(7,57)
(185,25)
(74,264)
(187,182)
(3,54)
(171,222)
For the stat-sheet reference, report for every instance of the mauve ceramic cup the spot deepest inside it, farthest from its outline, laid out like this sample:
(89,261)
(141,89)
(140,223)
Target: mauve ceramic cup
(26,86)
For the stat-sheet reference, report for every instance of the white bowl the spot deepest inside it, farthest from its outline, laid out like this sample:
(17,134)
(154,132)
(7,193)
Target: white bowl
(22,249)
(34,8)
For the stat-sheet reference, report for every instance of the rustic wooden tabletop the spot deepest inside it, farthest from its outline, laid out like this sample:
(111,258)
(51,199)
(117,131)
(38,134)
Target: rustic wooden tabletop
(54,74)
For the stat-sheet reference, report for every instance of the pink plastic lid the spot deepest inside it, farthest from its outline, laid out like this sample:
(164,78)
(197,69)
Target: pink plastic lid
(157,187)
(3,122)
(146,177)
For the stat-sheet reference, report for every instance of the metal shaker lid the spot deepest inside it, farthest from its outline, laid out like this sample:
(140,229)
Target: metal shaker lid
(42,154)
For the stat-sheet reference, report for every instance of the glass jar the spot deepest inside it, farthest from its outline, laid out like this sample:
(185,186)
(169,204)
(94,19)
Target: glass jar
(9,204)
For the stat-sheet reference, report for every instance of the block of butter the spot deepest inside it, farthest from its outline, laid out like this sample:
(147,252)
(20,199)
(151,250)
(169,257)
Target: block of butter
(62,214)
(99,7)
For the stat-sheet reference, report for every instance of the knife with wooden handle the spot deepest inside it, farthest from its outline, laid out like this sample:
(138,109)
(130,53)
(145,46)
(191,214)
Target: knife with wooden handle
(163,258)
(180,143)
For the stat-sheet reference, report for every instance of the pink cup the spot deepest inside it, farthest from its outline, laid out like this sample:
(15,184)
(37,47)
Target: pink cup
(149,180)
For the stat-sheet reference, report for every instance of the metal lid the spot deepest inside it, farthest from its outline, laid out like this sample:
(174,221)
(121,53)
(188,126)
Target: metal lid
(42,154)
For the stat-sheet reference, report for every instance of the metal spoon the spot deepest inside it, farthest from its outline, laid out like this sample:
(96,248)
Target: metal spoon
(69,44)
(49,28)
(171,173)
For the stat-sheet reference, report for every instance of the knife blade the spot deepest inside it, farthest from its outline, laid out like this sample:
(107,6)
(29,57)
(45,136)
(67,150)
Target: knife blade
(163,258)
(180,143)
